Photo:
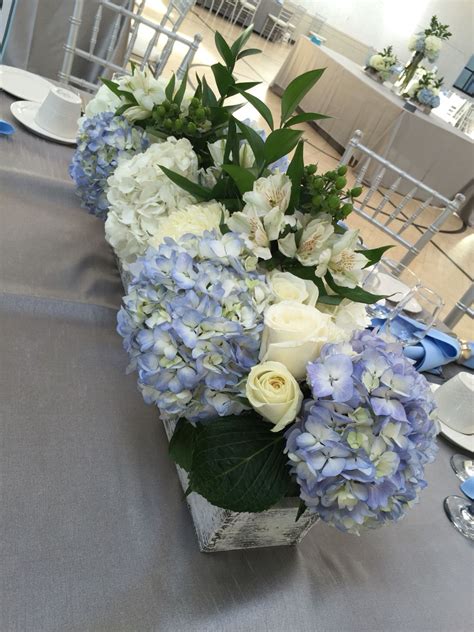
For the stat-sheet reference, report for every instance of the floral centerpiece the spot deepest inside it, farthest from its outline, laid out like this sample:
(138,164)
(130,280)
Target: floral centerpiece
(382,64)
(244,317)
(424,91)
(425,44)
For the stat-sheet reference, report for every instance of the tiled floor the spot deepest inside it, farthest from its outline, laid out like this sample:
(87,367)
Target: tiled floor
(445,265)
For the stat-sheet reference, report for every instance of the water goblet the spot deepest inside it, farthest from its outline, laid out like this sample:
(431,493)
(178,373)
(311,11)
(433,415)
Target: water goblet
(462,466)
(391,278)
(410,332)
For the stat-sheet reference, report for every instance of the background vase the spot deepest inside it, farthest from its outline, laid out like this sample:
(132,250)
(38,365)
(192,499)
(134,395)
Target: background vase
(408,72)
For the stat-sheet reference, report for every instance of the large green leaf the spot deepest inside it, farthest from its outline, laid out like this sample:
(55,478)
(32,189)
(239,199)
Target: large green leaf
(255,141)
(243,178)
(260,106)
(178,97)
(241,40)
(374,255)
(208,96)
(169,90)
(305,116)
(356,294)
(243,85)
(224,51)
(181,447)
(296,90)
(295,172)
(191,187)
(239,464)
(280,142)
(224,78)
(247,52)
(111,85)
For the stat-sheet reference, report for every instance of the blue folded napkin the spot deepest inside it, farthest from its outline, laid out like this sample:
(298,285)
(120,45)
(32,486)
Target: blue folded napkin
(467,488)
(434,350)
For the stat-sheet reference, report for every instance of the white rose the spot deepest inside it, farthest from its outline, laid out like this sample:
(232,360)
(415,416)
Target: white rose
(194,219)
(288,287)
(377,62)
(104,101)
(268,193)
(294,334)
(274,393)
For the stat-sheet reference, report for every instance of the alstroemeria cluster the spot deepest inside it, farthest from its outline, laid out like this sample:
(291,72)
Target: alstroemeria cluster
(192,323)
(363,439)
(103,141)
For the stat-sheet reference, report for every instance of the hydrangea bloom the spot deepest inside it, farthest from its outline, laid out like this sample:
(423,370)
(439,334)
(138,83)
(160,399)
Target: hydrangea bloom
(192,323)
(102,142)
(359,449)
(140,195)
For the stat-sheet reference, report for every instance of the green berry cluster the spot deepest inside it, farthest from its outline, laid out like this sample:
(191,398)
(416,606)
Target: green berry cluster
(168,116)
(324,193)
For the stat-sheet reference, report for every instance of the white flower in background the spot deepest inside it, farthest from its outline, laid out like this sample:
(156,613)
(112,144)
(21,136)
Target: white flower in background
(274,393)
(216,149)
(147,90)
(294,333)
(194,219)
(342,261)
(412,42)
(288,287)
(257,231)
(314,240)
(433,44)
(347,316)
(268,193)
(413,89)
(103,101)
(378,62)
(140,195)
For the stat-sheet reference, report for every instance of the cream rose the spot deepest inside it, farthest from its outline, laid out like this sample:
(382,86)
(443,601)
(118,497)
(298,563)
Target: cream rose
(288,287)
(294,334)
(274,393)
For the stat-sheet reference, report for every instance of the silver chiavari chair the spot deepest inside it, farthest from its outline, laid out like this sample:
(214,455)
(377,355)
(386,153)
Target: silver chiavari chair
(463,306)
(131,18)
(396,222)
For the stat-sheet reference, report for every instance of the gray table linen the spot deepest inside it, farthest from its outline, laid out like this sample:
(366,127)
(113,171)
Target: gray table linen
(95,533)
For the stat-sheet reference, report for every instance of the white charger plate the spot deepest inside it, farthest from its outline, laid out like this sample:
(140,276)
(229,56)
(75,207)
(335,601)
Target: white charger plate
(25,112)
(23,84)
(458,438)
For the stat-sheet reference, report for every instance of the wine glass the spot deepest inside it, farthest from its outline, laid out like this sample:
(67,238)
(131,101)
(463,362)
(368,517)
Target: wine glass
(461,513)
(391,278)
(462,466)
(406,330)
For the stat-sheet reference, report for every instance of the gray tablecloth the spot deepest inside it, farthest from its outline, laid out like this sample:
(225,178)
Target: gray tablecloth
(95,533)
(426,147)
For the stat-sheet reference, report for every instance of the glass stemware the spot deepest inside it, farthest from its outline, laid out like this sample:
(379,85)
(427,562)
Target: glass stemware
(391,278)
(460,511)
(406,330)
(462,466)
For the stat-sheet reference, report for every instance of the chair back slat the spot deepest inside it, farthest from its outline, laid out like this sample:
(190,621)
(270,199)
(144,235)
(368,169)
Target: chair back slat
(442,206)
(131,18)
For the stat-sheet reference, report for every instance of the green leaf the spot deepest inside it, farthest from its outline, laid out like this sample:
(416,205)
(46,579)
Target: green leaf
(296,90)
(247,52)
(255,141)
(301,509)
(111,85)
(330,299)
(374,255)
(231,142)
(305,116)
(224,51)
(239,464)
(178,97)
(123,108)
(243,178)
(181,447)
(241,41)
(208,96)
(280,142)
(357,294)
(260,106)
(169,90)
(295,172)
(223,77)
(243,85)
(191,187)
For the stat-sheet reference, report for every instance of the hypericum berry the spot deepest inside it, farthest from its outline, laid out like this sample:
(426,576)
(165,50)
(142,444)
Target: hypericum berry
(340,182)
(342,170)
(356,191)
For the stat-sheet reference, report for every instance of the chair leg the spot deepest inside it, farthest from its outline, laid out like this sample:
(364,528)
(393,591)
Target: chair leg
(270,33)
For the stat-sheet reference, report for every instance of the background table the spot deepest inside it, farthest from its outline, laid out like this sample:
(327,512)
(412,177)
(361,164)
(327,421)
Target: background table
(425,146)
(95,533)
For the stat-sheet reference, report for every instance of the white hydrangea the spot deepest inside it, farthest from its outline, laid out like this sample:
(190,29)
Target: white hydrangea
(378,62)
(140,195)
(433,44)
(194,219)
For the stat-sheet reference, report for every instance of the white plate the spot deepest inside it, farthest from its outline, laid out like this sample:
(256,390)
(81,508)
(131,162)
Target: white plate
(23,84)
(458,438)
(25,112)
(396,290)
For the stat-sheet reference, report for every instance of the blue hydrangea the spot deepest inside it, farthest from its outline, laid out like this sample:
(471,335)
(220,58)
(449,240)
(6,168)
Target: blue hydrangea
(192,323)
(359,449)
(102,140)
(425,96)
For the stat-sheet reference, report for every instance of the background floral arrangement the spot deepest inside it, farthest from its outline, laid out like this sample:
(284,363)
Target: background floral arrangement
(243,288)
(426,89)
(384,63)
(430,41)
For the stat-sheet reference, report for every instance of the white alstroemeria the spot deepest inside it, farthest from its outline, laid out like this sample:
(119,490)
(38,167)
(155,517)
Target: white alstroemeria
(257,231)
(147,90)
(246,155)
(103,101)
(347,316)
(288,287)
(314,239)
(268,193)
(136,113)
(342,261)
(194,219)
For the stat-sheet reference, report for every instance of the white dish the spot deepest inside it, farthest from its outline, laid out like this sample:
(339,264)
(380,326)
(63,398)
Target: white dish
(23,84)
(458,406)
(396,290)
(25,112)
